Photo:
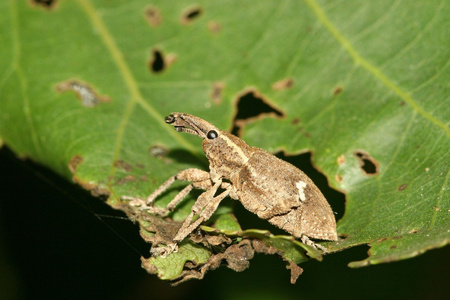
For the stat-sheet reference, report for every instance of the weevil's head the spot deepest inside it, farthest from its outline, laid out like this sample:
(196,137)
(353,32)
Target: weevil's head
(226,153)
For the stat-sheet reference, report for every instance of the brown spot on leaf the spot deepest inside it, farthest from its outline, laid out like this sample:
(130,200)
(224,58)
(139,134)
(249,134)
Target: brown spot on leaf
(159,62)
(158,151)
(236,256)
(216,240)
(392,247)
(262,247)
(381,240)
(283,84)
(87,94)
(47,4)
(295,121)
(214,27)
(123,180)
(402,187)
(341,160)
(253,105)
(296,271)
(402,103)
(338,178)
(190,14)
(337,90)
(95,188)
(216,93)
(120,164)
(162,230)
(153,16)
(414,230)
(368,165)
(74,162)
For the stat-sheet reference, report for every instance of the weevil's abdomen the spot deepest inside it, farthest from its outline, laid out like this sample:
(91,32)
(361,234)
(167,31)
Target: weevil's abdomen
(281,193)
(311,222)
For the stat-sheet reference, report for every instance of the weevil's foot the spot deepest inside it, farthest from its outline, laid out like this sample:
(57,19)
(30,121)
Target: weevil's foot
(136,202)
(320,247)
(307,241)
(142,205)
(163,251)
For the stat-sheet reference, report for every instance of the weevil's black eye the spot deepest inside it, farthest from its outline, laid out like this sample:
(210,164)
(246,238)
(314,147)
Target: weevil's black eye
(169,119)
(212,134)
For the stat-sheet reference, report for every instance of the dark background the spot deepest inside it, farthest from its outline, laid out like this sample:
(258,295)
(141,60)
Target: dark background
(59,242)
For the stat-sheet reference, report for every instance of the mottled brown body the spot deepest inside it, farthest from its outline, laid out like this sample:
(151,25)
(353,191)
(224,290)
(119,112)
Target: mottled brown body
(266,185)
(273,182)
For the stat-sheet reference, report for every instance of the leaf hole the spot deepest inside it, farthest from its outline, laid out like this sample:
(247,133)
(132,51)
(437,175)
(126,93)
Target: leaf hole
(283,84)
(191,14)
(47,4)
(153,16)
(87,95)
(159,62)
(367,163)
(216,93)
(252,105)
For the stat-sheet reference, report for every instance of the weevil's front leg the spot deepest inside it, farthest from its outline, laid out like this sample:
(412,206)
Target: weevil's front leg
(200,179)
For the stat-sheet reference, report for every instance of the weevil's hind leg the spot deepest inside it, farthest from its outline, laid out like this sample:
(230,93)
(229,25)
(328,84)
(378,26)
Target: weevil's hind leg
(204,207)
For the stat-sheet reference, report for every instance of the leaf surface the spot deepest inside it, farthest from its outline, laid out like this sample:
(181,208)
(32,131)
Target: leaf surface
(85,86)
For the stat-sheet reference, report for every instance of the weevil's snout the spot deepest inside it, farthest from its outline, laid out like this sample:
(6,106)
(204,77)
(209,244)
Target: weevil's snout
(169,119)
(188,123)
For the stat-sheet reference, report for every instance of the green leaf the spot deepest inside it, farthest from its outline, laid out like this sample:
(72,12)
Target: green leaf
(85,86)
(170,267)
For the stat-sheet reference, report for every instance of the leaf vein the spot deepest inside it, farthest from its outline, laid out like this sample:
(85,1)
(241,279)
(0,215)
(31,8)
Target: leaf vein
(130,82)
(376,72)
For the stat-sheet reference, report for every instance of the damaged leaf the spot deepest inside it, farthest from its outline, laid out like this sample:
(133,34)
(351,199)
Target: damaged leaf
(341,86)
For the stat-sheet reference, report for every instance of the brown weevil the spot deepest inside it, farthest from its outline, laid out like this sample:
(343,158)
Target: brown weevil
(271,188)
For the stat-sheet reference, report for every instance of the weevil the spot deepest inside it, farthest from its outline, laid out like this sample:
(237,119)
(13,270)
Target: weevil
(270,187)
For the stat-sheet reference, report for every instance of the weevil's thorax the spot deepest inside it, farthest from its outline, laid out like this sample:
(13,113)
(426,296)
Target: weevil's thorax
(226,153)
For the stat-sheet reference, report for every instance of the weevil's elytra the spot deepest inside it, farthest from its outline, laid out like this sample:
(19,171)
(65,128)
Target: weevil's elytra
(272,188)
